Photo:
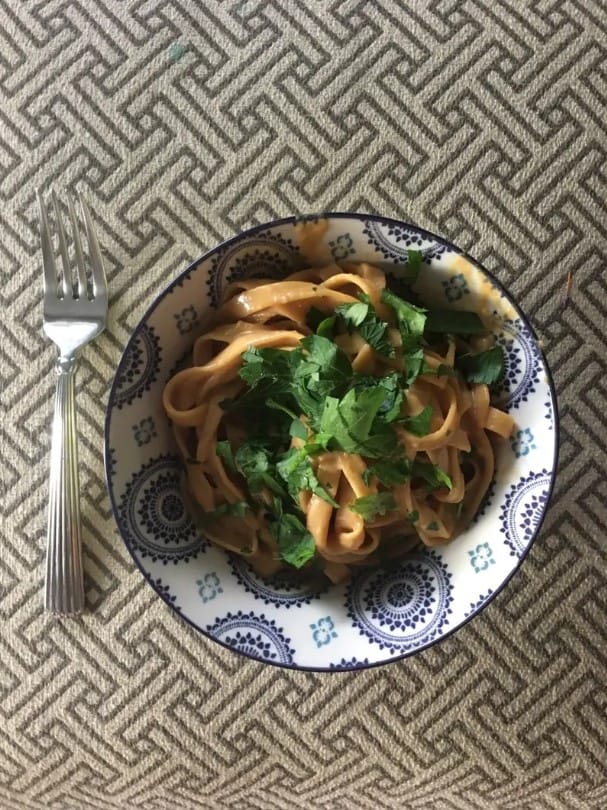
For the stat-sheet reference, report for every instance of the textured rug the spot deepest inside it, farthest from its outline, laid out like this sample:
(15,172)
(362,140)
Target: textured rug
(484,120)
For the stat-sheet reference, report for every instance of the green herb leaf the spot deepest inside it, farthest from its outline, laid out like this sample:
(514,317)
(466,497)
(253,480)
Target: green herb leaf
(411,319)
(370,506)
(441,370)
(323,371)
(389,472)
(326,328)
(483,367)
(224,451)
(414,361)
(391,406)
(350,420)
(418,425)
(454,322)
(254,462)
(278,406)
(268,364)
(314,317)
(295,468)
(295,543)
(432,526)
(238,509)
(363,318)
(431,474)
(413,516)
(414,264)
(298,430)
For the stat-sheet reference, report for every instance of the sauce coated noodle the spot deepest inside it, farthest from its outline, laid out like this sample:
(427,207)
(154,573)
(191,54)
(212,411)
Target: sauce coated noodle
(263,313)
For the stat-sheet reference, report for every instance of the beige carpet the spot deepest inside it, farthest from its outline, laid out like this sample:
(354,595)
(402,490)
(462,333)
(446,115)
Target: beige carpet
(184,122)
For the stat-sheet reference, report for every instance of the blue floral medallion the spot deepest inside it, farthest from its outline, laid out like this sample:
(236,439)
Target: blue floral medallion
(476,606)
(350,663)
(393,241)
(522,510)
(522,365)
(284,589)
(139,367)
(403,609)
(164,590)
(253,635)
(267,255)
(153,517)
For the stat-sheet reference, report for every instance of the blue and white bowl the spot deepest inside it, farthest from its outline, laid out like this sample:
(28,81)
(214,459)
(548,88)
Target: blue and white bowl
(382,615)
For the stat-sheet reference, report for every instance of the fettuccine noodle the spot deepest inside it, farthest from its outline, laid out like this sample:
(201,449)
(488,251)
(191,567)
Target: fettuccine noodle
(263,313)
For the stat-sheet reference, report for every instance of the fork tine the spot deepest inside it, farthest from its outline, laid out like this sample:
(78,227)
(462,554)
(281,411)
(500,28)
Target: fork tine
(68,291)
(78,248)
(51,280)
(98,274)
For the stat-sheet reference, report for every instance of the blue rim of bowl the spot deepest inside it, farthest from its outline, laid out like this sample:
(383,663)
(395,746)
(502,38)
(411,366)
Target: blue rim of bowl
(290,221)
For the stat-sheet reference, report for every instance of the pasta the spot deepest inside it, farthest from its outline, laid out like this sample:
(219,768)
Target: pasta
(327,423)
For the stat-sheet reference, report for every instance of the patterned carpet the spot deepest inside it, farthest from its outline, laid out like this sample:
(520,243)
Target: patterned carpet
(484,120)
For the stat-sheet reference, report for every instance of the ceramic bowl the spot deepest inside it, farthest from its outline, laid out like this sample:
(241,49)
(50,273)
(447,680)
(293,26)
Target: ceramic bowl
(382,615)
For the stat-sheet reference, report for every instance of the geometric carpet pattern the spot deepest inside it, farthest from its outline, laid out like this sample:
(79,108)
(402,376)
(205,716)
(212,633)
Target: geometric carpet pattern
(183,123)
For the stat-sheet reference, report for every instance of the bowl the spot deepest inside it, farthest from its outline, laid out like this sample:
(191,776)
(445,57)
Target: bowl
(382,614)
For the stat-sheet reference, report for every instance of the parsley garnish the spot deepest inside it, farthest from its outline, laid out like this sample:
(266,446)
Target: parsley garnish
(411,322)
(255,463)
(389,473)
(411,319)
(432,475)
(238,509)
(414,264)
(483,367)
(363,318)
(295,543)
(224,451)
(353,424)
(418,425)
(295,468)
(370,506)
(454,322)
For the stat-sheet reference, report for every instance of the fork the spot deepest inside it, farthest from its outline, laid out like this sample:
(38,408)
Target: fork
(73,316)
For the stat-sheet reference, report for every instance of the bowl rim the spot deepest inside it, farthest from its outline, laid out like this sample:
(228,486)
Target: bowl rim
(291,220)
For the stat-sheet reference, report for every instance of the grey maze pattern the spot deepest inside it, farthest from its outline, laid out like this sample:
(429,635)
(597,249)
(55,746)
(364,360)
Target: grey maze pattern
(184,122)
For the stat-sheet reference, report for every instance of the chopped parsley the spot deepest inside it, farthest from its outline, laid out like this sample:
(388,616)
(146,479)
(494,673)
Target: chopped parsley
(371,506)
(363,318)
(482,367)
(295,543)
(312,394)
(418,425)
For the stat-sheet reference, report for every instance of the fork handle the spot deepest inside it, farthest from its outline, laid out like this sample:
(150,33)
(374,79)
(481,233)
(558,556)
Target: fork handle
(64,587)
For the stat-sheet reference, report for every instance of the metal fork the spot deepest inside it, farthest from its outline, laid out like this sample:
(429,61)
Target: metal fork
(73,316)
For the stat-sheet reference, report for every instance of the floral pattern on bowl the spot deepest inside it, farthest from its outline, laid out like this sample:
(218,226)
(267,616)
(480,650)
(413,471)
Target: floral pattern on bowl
(381,615)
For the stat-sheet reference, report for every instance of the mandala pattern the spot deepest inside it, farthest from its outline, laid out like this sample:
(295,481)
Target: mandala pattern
(164,590)
(139,367)
(284,589)
(522,365)
(255,636)
(393,241)
(153,518)
(350,663)
(523,509)
(480,602)
(265,254)
(404,609)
